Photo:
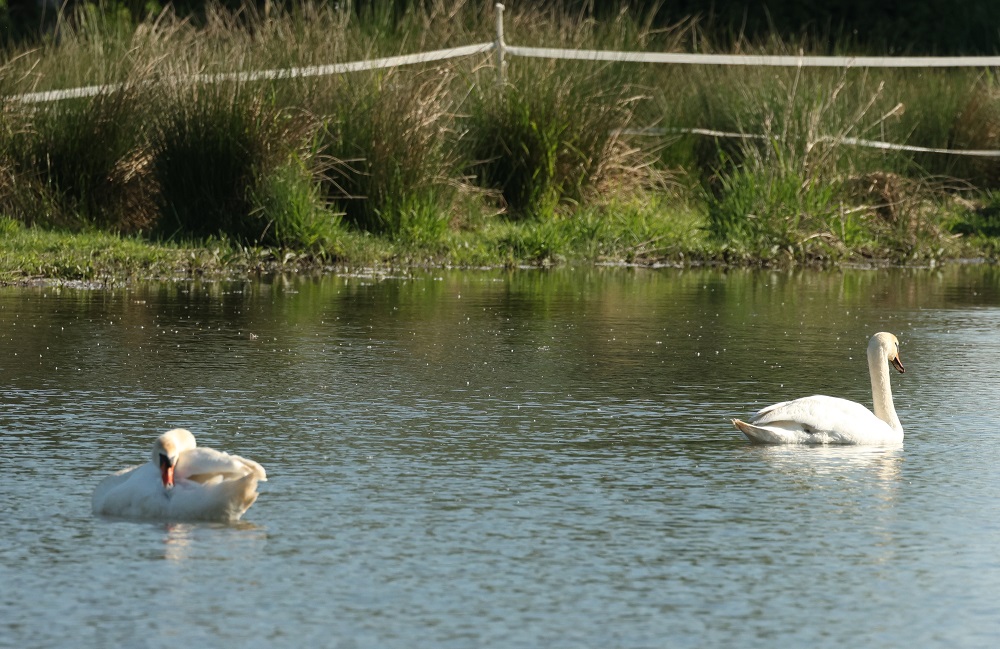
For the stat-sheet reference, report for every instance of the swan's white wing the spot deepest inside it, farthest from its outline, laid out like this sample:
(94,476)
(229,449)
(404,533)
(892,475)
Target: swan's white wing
(214,486)
(820,420)
(817,413)
(206,465)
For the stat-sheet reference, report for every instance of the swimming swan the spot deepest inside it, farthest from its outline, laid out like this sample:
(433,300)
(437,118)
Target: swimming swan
(829,420)
(181,482)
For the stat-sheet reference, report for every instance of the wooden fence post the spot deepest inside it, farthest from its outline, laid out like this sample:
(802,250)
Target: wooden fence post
(500,46)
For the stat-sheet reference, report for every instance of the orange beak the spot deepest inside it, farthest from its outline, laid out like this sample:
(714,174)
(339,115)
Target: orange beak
(898,364)
(166,471)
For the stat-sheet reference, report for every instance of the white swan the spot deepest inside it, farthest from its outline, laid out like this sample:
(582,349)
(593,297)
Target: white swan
(829,420)
(181,482)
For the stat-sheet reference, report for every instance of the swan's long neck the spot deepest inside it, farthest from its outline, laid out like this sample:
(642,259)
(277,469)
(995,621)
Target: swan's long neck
(878,368)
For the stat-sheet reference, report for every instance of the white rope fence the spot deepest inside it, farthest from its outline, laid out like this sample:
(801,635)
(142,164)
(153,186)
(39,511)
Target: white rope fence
(501,50)
(855,141)
(269,75)
(759,59)
(876,144)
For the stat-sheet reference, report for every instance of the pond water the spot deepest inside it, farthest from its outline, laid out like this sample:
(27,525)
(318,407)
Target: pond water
(532,459)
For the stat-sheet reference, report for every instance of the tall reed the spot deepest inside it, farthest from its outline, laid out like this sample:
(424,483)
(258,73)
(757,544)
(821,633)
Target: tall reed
(391,151)
(793,182)
(222,156)
(80,162)
(555,135)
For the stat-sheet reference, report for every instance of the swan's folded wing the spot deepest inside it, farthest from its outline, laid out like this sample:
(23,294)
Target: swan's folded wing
(222,500)
(104,494)
(817,414)
(208,465)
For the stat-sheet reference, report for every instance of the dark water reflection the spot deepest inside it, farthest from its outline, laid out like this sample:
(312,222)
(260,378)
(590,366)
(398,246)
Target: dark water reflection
(527,459)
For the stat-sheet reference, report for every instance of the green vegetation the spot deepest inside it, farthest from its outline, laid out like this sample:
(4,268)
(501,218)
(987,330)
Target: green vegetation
(569,162)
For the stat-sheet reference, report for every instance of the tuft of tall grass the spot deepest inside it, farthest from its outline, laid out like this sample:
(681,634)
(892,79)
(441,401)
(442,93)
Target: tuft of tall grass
(80,162)
(226,161)
(391,151)
(769,208)
(792,183)
(555,136)
(290,200)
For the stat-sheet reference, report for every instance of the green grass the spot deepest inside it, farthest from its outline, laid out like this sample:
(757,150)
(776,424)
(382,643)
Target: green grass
(391,156)
(229,163)
(37,253)
(33,253)
(434,164)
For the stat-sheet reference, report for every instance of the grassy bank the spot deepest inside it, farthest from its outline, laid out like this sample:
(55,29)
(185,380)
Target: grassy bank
(436,165)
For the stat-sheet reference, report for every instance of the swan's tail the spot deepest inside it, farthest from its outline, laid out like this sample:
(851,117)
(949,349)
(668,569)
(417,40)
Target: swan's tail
(241,494)
(756,434)
(225,501)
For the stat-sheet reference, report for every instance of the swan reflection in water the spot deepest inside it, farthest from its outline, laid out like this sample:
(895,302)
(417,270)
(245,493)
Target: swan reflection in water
(884,463)
(856,489)
(186,541)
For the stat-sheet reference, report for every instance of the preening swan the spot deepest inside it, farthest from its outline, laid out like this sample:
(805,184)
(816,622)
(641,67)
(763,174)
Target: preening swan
(829,420)
(181,482)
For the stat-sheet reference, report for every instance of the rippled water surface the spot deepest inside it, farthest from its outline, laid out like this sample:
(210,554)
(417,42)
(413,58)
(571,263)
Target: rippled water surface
(537,459)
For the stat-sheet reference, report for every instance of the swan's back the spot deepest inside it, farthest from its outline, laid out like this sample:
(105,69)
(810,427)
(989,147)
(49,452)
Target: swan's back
(208,465)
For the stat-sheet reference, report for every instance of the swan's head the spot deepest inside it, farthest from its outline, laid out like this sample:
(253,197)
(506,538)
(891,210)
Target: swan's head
(167,448)
(885,345)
